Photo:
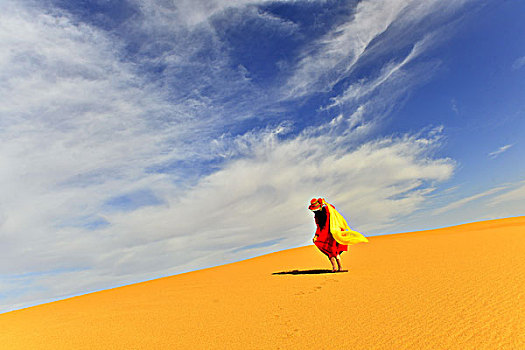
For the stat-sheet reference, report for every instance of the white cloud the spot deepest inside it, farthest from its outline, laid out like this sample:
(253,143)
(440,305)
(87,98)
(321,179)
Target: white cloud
(513,196)
(499,151)
(454,106)
(518,63)
(190,13)
(500,201)
(389,73)
(342,48)
(460,203)
(188,42)
(334,56)
(79,127)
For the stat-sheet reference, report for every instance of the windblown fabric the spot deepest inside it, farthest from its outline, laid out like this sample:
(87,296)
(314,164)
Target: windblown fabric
(340,230)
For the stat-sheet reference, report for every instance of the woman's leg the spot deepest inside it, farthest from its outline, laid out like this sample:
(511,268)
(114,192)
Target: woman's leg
(333,261)
(339,266)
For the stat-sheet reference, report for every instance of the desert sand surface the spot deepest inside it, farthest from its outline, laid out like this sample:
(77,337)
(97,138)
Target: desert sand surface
(460,287)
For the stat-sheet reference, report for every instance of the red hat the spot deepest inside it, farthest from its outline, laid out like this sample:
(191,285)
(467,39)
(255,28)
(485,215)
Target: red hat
(316,204)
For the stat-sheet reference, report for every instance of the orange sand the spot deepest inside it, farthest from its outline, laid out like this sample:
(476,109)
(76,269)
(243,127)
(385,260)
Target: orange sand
(455,288)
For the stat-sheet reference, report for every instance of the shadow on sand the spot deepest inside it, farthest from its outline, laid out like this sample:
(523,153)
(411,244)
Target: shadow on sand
(306,272)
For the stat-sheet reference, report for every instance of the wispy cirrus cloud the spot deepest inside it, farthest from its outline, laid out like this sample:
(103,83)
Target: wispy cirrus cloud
(391,72)
(518,63)
(335,56)
(500,201)
(459,203)
(515,195)
(499,151)
(454,106)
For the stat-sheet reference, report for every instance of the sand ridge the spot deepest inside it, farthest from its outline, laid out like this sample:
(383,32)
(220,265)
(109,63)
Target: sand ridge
(452,288)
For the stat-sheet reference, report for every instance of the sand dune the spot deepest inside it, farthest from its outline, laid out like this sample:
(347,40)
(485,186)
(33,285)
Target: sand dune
(454,288)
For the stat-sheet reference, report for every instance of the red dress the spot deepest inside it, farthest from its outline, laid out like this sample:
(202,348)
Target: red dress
(325,241)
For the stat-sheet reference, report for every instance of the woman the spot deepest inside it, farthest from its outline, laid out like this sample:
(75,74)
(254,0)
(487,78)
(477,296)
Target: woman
(323,239)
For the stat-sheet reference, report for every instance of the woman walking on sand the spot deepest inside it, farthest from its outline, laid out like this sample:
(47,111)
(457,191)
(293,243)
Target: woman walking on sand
(332,235)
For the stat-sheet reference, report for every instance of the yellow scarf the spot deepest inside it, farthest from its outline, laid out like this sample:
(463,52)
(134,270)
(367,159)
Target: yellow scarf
(340,230)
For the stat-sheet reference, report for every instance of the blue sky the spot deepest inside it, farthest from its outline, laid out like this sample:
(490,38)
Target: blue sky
(144,138)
